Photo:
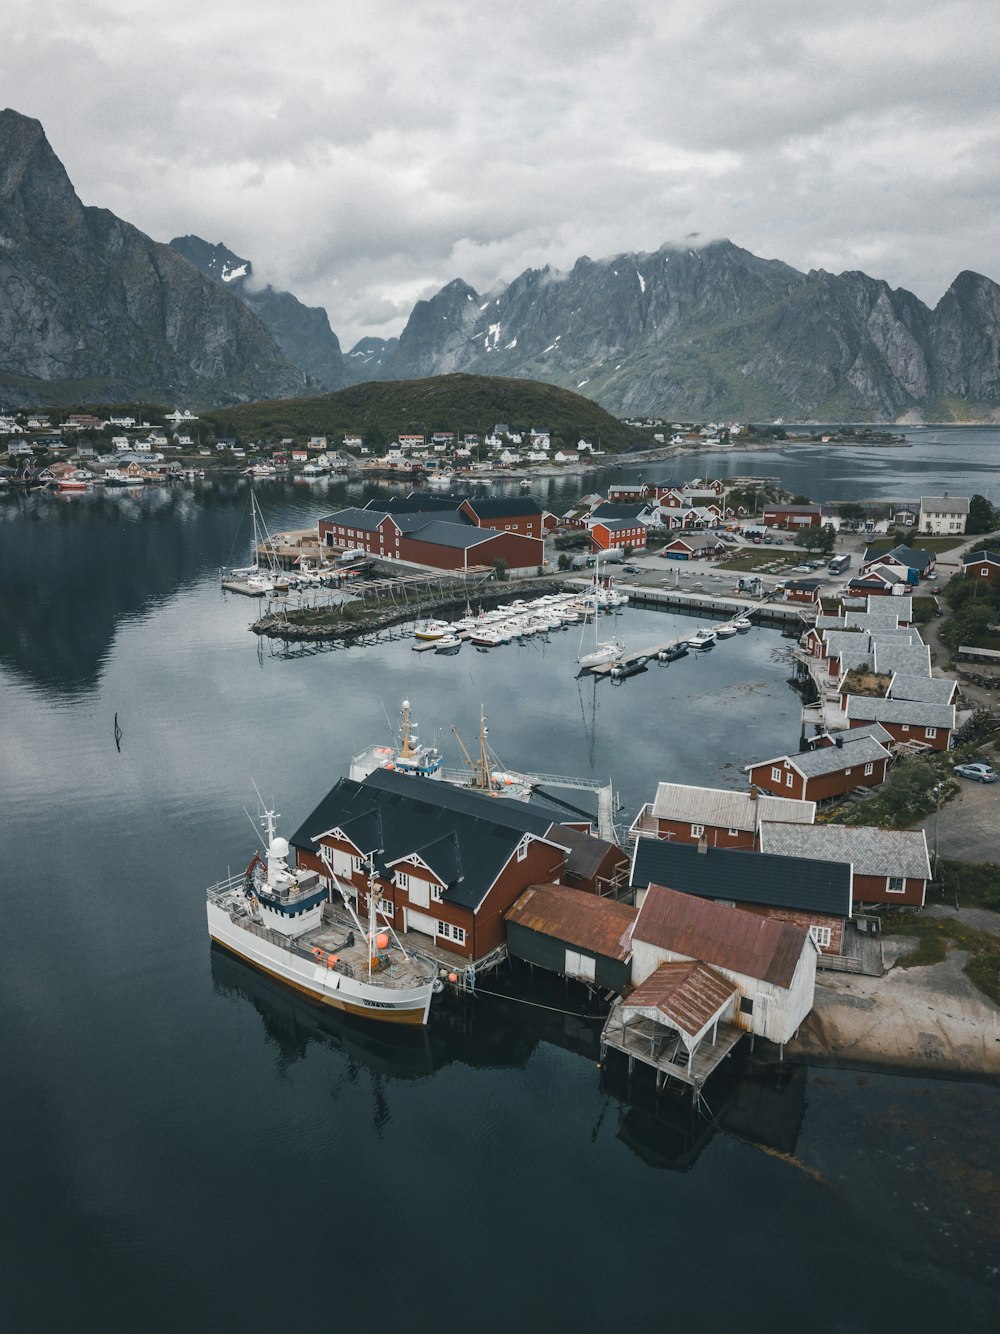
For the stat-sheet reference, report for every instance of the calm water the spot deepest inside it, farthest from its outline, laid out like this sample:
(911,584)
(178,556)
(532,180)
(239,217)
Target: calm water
(187,1147)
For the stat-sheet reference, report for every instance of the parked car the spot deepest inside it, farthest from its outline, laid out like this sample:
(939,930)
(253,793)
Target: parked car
(631,569)
(981,773)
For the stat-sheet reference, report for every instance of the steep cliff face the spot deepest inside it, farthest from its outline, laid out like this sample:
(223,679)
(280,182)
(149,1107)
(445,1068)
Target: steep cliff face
(716,331)
(90,302)
(966,339)
(302,332)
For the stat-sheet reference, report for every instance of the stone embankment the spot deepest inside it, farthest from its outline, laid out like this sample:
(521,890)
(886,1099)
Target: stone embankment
(929,1019)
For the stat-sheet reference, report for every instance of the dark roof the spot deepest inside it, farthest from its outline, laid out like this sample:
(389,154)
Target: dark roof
(744,877)
(772,507)
(412,522)
(805,585)
(417,502)
(913,560)
(722,936)
(616,525)
(984,553)
(444,534)
(465,837)
(616,510)
(575,917)
(354,517)
(586,852)
(501,507)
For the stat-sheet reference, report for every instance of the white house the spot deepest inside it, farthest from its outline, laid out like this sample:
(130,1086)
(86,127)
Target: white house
(943,514)
(771,964)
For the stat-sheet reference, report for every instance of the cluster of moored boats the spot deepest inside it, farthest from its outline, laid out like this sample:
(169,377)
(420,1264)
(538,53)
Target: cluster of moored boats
(520,620)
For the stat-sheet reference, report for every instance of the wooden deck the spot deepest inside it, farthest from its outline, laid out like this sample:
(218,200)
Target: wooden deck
(660,1047)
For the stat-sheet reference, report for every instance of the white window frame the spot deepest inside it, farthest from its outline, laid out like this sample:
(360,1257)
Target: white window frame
(776,775)
(697,830)
(895,884)
(789,779)
(930,733)
(869,769)
(822,935)
(446,931)
(522,850)
(402,880)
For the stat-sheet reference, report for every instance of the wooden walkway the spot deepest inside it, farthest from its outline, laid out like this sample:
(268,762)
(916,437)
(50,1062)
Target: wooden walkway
(660,1047)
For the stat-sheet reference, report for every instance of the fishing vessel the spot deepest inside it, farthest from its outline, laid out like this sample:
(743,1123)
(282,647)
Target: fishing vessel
(408,756)
(284,922)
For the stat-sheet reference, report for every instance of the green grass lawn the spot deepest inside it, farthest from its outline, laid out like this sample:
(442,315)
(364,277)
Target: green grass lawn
(919,543)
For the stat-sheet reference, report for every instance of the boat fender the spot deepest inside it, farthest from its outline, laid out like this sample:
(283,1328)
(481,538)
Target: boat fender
(438,986)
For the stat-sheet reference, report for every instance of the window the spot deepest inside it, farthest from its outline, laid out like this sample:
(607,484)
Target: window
(385,907)
(847,771)
(522,850)
(904,727)
(448,932)
(734,833)
(984,571)
(358,864)
(930,733)
(869,769)
(402,880)
(746,1005)
(436,892)
(821,935)
(789,778)
(895,884)
(776,775)
(697,830)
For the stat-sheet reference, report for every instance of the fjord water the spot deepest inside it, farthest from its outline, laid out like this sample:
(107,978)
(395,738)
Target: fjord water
(187,1146)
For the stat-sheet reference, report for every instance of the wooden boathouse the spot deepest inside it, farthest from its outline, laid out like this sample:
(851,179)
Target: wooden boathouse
(573,933)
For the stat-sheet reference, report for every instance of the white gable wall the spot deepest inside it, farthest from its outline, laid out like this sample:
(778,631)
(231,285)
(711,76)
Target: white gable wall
(777,1012)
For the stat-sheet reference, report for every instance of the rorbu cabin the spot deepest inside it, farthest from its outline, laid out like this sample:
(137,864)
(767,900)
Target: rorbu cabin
(572,933)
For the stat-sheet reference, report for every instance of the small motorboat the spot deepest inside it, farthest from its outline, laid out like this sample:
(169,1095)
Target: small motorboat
(726,630)
(621,671)
(448,644)
(673,653)
(702,639)
(743,624)
(432,630)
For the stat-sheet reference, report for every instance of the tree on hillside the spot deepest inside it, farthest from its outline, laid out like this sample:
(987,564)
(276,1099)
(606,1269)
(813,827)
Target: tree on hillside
(983,517)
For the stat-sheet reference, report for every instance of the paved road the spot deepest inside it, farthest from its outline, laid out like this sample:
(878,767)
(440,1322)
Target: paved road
(968,826)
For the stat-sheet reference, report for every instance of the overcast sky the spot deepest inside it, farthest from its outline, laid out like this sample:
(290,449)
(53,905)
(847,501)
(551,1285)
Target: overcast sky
(364,154)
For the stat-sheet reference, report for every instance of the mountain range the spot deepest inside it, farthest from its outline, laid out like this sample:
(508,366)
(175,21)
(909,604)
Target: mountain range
(96,311)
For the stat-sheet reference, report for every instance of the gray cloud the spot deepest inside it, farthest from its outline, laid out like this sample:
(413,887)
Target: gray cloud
(364,155)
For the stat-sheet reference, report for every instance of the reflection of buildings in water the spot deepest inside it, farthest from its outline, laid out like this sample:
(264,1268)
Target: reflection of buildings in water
(766,1109)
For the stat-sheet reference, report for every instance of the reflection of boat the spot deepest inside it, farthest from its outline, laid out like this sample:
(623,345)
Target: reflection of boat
(291,1023)
(281,921)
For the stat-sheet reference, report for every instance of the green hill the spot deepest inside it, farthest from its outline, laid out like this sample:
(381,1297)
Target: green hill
(379,411)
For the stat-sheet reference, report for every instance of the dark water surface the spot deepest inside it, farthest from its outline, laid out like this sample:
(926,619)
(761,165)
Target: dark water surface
(187,1147)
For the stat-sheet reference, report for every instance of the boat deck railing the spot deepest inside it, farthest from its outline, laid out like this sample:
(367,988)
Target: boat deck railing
(399,973)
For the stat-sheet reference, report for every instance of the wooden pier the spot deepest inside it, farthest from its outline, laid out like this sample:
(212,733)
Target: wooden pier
(661,1048)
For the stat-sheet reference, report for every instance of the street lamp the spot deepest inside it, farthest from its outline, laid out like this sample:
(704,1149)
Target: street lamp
(937,790)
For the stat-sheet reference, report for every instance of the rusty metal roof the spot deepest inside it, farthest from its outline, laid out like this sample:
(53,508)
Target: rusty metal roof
(742,942)
(600,925)
(689,995)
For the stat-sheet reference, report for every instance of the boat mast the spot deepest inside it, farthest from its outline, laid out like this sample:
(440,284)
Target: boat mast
(406,750)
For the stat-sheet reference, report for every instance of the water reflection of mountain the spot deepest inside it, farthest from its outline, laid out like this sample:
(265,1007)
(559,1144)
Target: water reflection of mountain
(75,566)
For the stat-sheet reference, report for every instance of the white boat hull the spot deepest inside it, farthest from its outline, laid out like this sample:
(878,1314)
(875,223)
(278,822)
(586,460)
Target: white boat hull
(394,1005)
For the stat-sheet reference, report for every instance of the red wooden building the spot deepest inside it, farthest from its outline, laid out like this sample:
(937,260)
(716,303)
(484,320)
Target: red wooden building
(616,534)
(514,514)
(718,816)
(446,863)
(829,771)
(927,725)
(890,865)
(781,515)
(443,543)
(982,564)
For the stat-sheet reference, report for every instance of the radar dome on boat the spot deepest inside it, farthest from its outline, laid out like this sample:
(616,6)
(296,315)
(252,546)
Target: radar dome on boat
(278,847)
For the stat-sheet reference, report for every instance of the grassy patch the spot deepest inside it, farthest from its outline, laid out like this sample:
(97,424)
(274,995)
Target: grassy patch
(973,884)
(919,543)
(936,935)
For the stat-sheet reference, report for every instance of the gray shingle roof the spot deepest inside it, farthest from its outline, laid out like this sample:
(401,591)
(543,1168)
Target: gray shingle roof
(354,517)
(908,556)
(944,504)
(900,711)
(744,877)
(923,689)
(832,759)
(913,659)
(871,851)
(725,809)
(444,534)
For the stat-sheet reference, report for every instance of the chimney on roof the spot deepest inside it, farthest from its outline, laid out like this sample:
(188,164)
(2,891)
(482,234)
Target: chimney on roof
(838,740)
(753,792)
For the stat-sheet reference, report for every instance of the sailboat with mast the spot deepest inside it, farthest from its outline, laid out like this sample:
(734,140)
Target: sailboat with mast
(285,923)
(256,578)
(605,650)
